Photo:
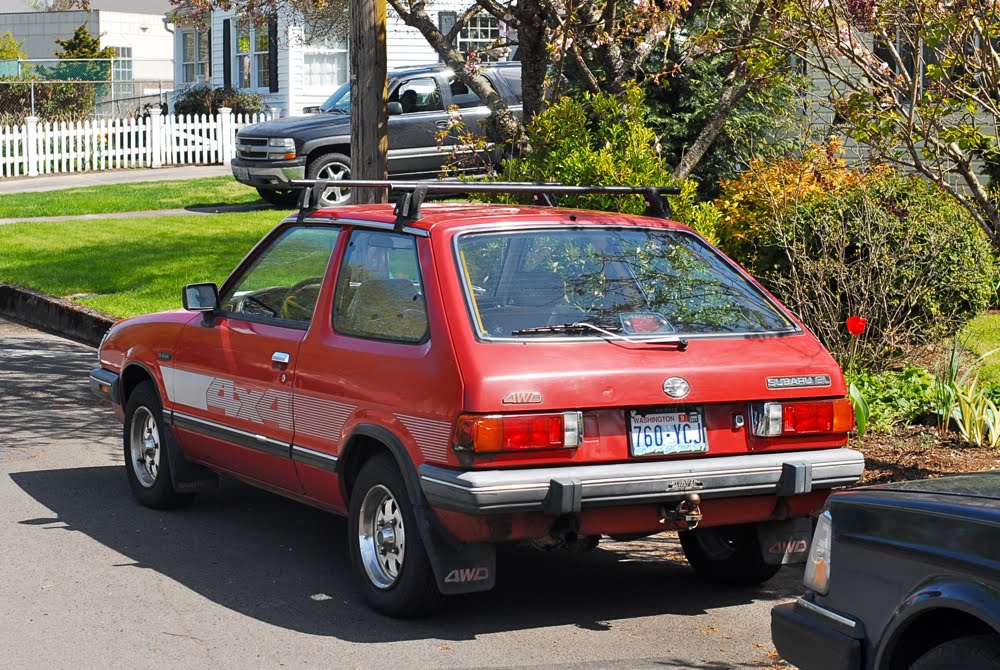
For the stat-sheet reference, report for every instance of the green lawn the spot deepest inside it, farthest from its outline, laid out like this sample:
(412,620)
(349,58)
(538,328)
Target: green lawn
(984,335)
(129,266)
(131,197)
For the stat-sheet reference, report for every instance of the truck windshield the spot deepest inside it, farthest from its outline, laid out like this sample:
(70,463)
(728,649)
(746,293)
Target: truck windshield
(339,102)
(637,282)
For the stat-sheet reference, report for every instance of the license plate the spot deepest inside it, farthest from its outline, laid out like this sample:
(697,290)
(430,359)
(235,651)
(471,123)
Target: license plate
(669,432)
(241,173)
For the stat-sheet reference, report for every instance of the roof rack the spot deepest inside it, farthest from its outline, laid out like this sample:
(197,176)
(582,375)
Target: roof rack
(413,193)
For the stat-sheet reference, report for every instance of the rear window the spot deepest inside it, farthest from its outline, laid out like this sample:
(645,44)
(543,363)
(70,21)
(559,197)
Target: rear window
(637,282)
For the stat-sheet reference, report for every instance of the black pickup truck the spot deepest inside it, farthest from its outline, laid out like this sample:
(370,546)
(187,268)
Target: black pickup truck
(318,145)
(901,577)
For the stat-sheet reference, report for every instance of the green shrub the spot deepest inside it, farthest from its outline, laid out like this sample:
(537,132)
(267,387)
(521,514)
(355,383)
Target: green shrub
(206,100)
(895,398)
(598,139)
(832,242)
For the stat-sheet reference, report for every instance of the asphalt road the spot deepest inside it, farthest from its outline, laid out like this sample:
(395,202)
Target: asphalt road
(246,579)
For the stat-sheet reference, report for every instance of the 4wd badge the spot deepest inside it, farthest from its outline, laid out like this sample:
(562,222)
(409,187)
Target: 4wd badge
(522,398)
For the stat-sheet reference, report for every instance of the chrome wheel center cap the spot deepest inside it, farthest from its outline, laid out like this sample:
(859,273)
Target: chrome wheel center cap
(385,538)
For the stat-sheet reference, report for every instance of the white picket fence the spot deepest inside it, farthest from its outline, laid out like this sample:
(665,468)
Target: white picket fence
(41,148)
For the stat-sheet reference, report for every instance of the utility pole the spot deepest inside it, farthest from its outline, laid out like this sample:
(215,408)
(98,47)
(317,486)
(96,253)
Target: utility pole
(369,119)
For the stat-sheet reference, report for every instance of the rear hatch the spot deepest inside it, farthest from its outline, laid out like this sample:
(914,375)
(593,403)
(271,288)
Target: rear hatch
(648,344)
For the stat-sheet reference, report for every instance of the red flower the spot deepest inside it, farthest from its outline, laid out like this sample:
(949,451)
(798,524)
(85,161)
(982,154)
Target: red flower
(856,325)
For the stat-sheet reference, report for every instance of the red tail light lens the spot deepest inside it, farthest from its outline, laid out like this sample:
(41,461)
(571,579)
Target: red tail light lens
(518,431)
(803,418)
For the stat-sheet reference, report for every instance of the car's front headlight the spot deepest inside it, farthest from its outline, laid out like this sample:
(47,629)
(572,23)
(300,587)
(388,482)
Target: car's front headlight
(285,148)
(817,576)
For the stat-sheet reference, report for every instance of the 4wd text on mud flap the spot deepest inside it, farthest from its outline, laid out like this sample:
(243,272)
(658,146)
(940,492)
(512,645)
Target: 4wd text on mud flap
(463,575)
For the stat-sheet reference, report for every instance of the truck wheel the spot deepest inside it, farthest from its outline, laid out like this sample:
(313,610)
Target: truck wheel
(279,197)
(979,652)
(147,464)
(387,551)
(331,166)
(727,554)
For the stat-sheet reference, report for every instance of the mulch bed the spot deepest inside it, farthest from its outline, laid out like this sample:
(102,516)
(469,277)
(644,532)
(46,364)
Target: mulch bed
(918,452)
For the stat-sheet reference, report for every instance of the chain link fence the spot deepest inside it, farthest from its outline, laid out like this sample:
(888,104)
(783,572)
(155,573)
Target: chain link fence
(81,89)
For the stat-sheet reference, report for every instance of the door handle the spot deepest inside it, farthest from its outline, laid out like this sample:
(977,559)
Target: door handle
(280,357)
(443,124)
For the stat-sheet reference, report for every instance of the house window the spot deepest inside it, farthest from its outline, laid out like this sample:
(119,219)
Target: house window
(121,66)
(324,58)
(325,70)
(195,56)
(481,33)
(253,67)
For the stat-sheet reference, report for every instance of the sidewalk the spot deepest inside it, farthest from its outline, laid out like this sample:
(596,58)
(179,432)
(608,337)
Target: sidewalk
(60,181)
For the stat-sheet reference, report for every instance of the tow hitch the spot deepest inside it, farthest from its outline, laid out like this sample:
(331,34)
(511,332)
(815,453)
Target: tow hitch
(685,516)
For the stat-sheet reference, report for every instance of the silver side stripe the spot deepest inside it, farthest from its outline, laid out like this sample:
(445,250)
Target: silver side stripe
(315,458)
(433,437)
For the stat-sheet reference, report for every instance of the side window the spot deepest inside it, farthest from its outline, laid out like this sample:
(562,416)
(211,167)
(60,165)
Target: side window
(379,291)
(284,280)
(513,77)
(418,95)
(461,95)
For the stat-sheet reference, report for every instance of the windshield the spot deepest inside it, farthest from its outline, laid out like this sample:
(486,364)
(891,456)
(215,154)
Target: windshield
(637,282)
(339,102)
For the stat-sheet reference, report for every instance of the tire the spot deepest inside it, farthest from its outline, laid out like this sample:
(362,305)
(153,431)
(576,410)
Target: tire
(147,464)
(398,580)
(727,554)
(979,652)
(331,166)
(285,198)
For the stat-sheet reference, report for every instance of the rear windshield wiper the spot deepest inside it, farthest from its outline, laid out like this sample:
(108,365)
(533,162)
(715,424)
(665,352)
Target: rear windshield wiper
(611,331)
(573,327)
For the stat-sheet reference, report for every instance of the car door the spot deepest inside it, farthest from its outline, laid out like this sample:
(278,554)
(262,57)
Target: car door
(413,147)
(474,113)
(230,379)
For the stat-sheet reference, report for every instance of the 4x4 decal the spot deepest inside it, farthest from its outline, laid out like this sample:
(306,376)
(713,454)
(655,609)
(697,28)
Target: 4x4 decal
(270,406)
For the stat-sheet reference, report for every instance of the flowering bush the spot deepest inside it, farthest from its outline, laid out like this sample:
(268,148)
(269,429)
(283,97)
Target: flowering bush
(834,242)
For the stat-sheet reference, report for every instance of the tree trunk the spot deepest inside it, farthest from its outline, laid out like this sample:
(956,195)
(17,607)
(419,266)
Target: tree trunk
(731,94)
(531,36)
(369,118)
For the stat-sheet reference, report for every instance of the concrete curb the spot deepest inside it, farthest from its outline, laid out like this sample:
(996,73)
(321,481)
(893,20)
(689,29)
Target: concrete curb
(54,315)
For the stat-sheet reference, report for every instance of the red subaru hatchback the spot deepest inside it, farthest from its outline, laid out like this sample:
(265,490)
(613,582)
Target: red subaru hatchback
(453,376)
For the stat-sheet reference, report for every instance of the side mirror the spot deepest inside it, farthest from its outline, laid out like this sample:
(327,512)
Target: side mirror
(201,297)
(394,109)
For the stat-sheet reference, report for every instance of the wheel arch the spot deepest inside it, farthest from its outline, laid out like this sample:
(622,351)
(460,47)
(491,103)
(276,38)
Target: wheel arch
(933,615)
(367,441)
(314,152)
(132,375)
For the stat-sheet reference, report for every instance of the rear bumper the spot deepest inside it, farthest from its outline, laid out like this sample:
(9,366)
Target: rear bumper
(814,638)
(561,490)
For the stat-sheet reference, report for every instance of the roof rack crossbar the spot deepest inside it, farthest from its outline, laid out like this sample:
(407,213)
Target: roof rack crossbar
(544,193)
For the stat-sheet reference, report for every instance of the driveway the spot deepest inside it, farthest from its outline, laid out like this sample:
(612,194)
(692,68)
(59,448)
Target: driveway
(246,579)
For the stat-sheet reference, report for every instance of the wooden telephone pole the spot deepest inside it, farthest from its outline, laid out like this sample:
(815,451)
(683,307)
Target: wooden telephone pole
(369,119)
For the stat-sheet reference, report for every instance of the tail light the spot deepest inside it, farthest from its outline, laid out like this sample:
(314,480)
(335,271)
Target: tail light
(772,419)
(511,432)
(817,576)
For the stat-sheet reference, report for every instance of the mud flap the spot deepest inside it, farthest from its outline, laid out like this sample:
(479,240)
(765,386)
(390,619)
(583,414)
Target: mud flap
(458,567)
(186,476)
(784,542)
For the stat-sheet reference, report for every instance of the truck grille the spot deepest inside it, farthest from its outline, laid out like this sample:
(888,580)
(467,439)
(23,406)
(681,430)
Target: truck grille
(252,148)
